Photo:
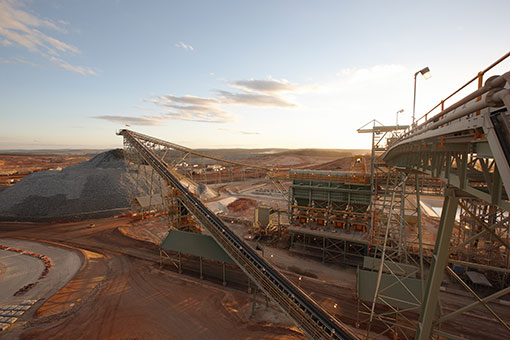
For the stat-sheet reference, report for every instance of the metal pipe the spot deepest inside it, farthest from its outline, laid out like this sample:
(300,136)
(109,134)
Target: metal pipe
(489,100)
(466,84)
(491,83)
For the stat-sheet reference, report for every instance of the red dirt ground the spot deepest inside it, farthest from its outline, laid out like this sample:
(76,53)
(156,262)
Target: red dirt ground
(241,204)
(120,293)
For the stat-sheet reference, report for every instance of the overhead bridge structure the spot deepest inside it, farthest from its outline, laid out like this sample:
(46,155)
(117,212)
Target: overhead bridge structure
(307,314)
(467,146)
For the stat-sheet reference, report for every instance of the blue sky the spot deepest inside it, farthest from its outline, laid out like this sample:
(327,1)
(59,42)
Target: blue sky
(295,74)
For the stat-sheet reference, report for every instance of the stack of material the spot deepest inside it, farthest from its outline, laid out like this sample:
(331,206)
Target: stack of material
(102,183)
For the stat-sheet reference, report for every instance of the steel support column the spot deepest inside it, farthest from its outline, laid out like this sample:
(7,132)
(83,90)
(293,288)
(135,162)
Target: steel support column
(420,232)
(439,261)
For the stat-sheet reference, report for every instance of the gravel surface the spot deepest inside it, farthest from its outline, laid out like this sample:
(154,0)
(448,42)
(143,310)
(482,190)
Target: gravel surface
(20,270)
(24,269)
(103,183)
(99,187)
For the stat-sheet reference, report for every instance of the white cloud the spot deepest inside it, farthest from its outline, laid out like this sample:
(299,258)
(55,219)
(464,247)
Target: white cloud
(144,120)
(15,60)
(351,98)
(369,75)
(73,68)
(192,108)
(253,99)
(265,86)
(180,44)
(19,27)
(254,93)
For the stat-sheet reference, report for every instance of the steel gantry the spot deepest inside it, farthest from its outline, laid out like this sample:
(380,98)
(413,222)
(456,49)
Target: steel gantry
(308,315)
(466,145)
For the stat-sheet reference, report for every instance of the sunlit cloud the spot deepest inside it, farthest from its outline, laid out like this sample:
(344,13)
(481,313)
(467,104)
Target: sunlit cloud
(265,86)
(16,60)
(371,74)
(188,47)
(352,97)
(144,120)
(78,69)
(20,28)
(252,93)
(253,99)
(192,108)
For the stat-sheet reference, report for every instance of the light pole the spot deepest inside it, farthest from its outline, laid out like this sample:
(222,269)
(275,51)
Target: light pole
(399,111)
(426,74)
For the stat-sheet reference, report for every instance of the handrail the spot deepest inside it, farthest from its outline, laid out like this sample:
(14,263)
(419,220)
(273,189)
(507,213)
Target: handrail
(479,76)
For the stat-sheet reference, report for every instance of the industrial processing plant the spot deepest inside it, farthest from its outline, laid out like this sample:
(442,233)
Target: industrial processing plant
(266,208)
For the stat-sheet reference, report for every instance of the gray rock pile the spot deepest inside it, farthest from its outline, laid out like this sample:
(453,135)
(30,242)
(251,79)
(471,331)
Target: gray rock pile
(91,189)
(102,186)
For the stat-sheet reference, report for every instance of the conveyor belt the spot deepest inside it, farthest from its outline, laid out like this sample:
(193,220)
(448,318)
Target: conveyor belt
(307,314)
(184,149)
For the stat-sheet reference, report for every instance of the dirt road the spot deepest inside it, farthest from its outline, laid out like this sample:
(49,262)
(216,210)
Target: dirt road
(120,293)
(23,269)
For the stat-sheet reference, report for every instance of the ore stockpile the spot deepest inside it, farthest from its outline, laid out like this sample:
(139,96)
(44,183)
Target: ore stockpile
(100,187)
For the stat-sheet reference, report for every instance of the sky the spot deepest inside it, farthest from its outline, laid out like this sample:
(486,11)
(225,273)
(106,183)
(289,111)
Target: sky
(233,74)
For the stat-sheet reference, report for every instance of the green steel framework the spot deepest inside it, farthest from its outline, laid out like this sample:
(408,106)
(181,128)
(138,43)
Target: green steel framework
(336,208)
(467,146)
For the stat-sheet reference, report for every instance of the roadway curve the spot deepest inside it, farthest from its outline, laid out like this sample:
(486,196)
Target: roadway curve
(20,270)
(120,293)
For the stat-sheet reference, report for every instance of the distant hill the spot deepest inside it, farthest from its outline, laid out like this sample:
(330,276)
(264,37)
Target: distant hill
(236,154)
(44,152)
(229,154)
(324,152)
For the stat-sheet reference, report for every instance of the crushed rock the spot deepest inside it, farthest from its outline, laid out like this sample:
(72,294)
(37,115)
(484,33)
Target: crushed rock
(104,182)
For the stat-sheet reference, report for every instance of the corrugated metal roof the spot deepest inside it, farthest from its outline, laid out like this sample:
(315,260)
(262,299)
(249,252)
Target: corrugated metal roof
(146,201)
(478,278)
(194,244)
(397,268)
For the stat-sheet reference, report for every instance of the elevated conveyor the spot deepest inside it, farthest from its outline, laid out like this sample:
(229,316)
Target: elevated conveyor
(307,314)
(466,145)
(184,149)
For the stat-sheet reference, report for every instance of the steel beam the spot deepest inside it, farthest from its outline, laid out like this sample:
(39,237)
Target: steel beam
(307,314)
(439,261)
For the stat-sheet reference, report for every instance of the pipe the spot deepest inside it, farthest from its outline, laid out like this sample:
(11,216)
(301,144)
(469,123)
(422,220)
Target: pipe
(488,101)
(491,83)
(491,99)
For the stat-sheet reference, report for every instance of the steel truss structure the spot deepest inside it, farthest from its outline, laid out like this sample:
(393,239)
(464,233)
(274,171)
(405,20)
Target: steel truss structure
(466,145)
(397,263)
(328,214)
(151,183)
(329,247)
(307,314)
